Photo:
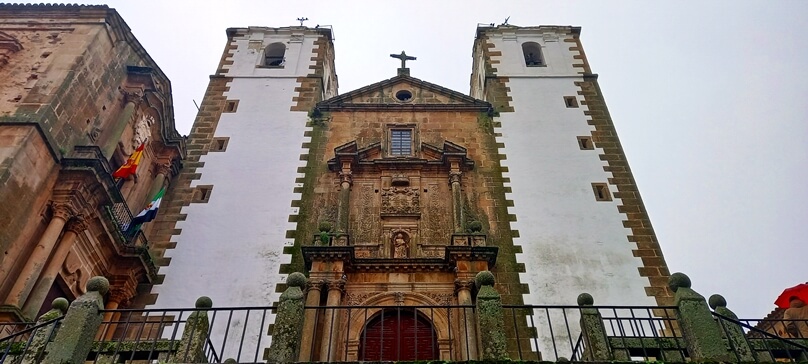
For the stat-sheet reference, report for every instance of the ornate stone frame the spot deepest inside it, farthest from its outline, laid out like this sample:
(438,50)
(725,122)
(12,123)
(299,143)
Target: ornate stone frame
(440,320)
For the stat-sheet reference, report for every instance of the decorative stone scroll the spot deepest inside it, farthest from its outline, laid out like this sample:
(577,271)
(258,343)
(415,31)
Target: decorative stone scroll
(357,299)
(400,200)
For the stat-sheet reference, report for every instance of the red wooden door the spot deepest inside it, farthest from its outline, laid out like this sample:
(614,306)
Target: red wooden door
(398,335)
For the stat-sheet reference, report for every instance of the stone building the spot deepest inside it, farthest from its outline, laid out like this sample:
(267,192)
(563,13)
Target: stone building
(398,193)
(79,95)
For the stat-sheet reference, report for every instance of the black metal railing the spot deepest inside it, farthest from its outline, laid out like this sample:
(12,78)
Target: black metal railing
(26,340)
(130,335)
(90,158)
(767,344)
(634,332)
(445,332)
(398,333)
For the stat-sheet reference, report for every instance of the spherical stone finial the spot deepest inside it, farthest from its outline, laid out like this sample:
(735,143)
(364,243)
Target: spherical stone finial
(484,278)
(562,359)
(296,279)
(230,360)
(585,299)
(717,301)
(98,284)
(60,304)
(203,302)
(677,280)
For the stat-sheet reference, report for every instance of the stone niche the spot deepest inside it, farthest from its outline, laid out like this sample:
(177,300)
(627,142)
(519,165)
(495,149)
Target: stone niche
(400,215)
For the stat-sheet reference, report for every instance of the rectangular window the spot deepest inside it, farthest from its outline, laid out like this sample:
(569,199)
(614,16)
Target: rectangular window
(219,144)
(601,191)
(231,106)
(571,101)
(585,143)
(202,193)
(401,142)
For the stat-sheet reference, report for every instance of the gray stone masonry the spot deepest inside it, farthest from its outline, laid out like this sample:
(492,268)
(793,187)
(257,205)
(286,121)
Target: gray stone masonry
(699,329)
(43,335)
(75,338)
(192,344)
(288,332)
(490,320)
(733,332)
(594,332)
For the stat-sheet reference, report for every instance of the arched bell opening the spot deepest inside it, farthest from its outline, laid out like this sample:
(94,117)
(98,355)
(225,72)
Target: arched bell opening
(396,335)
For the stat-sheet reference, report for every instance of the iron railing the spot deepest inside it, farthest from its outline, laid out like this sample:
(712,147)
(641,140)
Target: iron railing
(90,158)
(26,340)
(374,333)
(554,332)
(765,346)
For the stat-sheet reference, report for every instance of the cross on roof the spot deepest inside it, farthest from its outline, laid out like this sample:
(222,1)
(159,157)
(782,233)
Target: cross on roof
(404,58)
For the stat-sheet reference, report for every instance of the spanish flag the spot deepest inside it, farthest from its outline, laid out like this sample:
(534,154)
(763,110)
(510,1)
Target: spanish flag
(130,167)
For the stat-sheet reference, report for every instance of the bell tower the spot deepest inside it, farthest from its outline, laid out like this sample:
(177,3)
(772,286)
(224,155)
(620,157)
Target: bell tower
(576,211)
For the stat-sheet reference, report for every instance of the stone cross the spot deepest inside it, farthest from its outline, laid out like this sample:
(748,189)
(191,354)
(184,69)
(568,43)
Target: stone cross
(404,58)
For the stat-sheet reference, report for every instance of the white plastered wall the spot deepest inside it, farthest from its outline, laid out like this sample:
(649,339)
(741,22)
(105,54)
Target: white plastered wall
(231,248)
(571,242)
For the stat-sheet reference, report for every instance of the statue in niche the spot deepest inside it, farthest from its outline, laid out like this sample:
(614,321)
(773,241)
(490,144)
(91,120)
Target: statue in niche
(142,130)
(400,246)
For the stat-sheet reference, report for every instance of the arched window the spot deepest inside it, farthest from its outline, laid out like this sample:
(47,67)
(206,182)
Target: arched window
(532,52)
(273,56)
(396,335)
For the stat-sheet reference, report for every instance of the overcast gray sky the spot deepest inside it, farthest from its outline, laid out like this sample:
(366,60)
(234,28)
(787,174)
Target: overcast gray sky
(709,100)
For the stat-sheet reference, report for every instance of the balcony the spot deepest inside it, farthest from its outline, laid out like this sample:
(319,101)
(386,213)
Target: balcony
(88,162)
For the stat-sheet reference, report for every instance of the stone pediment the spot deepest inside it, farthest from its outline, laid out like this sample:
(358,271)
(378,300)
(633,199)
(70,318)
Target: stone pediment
(403,92)
(372,155)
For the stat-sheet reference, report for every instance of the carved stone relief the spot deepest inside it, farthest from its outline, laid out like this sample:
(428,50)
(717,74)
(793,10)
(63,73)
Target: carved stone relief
(400,200)
(435,217)
(142,130)
(357,299)
(365,217)
(401,246)
(440,298)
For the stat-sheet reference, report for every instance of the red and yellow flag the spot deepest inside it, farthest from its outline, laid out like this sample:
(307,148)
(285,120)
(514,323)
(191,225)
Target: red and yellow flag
(130,167)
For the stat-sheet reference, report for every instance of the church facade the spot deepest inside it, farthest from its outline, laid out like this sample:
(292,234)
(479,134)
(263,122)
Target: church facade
(79,97)
(400,192)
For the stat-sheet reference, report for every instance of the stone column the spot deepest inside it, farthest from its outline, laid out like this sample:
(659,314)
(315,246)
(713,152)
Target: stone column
(313,294)
(344,197)
(75,337)
(468,322)
(330,339)
(490,320)
(163,172)
(457,201)
(131,99)
(36,261)
(288,332)
(700,331)
(75,226)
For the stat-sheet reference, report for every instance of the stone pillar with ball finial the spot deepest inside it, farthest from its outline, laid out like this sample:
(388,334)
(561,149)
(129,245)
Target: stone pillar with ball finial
(700,331)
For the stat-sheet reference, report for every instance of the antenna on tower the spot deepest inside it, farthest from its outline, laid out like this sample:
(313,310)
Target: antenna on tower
(506,21)
(301,20)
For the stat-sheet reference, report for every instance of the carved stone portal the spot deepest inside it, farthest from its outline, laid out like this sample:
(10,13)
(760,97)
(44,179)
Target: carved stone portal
(400,200)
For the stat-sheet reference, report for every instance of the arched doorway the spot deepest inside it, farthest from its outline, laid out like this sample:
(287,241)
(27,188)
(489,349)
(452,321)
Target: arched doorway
(398,335)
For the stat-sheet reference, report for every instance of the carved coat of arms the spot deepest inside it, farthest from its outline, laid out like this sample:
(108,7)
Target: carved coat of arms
(400,200)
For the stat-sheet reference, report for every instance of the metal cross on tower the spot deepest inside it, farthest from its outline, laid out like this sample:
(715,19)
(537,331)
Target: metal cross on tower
(301,20)
(404,58)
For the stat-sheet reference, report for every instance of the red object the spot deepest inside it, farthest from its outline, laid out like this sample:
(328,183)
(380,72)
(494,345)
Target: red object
(396,336)
(130,167)
(800,291)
